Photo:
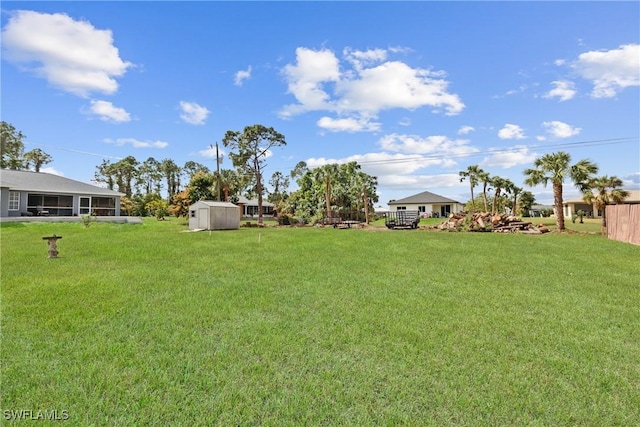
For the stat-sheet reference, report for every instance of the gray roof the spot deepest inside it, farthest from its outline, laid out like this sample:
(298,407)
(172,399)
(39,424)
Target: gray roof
(214,204)
(49,183)
(424,197)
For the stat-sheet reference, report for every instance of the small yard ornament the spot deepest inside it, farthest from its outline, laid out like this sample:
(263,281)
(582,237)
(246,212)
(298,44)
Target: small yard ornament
(53,248)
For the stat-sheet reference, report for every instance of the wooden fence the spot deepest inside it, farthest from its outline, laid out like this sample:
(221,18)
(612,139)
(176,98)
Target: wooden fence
(623,223)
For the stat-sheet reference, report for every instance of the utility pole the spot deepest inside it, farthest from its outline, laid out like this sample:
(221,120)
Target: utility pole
(217,172)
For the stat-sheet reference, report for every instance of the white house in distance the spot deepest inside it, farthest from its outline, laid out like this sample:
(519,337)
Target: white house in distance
(26,193)
(249,208)
(428,204)
(212,215)
(572,206)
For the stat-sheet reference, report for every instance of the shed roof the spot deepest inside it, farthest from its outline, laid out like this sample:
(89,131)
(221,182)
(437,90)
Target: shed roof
(424,197)
(49,183)
(213,203)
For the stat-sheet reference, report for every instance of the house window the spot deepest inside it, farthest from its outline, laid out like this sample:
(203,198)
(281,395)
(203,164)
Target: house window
(401,208)
(422,209)
(14,200)
(193,214)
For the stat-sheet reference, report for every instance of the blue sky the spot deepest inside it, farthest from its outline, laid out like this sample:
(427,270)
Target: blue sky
(413,91)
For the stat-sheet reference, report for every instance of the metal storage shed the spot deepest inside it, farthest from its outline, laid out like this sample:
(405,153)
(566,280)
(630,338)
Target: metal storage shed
(211,215)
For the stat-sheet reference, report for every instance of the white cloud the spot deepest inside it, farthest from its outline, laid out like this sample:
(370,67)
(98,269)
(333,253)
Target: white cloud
(348,125)
(507,158)
(211,152)
(420,182)
(362,86)
(108,112)
(135,143)
(610,71)
(511,131)
(632,180)
(71,55)
(465,130)
(563,90)
(51,170)
(439,145)
(359,58)
(559,129)
(404,155)
(193,113)
(396,85)
(405,121)
(520,89)
(241,76)
(382,164)
(305,79)
(395,170)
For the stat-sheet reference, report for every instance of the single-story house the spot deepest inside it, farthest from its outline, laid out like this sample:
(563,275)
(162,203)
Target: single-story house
(249,208)
(27,193)
(572,206)
(428,204)
(212,215)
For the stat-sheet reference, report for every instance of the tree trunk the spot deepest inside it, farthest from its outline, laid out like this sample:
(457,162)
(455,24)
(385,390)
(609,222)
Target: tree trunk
(484,197)
(259,189)
(495,198)
(473,202)
(366,207)
(557,199)
(327,196)
(603,225)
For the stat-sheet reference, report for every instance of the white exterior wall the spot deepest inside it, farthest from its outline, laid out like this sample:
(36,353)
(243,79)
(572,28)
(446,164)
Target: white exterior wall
(214,216)
(428,207)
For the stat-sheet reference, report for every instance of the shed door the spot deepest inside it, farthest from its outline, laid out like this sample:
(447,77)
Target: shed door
(203,218)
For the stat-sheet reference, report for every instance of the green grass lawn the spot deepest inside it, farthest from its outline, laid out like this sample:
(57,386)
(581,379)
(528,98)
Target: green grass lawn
(148,325)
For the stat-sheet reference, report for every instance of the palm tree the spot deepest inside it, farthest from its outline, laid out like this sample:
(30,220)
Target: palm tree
(498,184)
(602,191)
(513,190)
(526,201)
(555,168)
(232,183)
(362,187)
(472,172)
(326,174)
(485,179)
(37,157)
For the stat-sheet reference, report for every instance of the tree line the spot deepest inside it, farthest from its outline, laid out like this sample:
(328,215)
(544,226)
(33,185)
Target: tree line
(554,169)
(330,190)
(326,191)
